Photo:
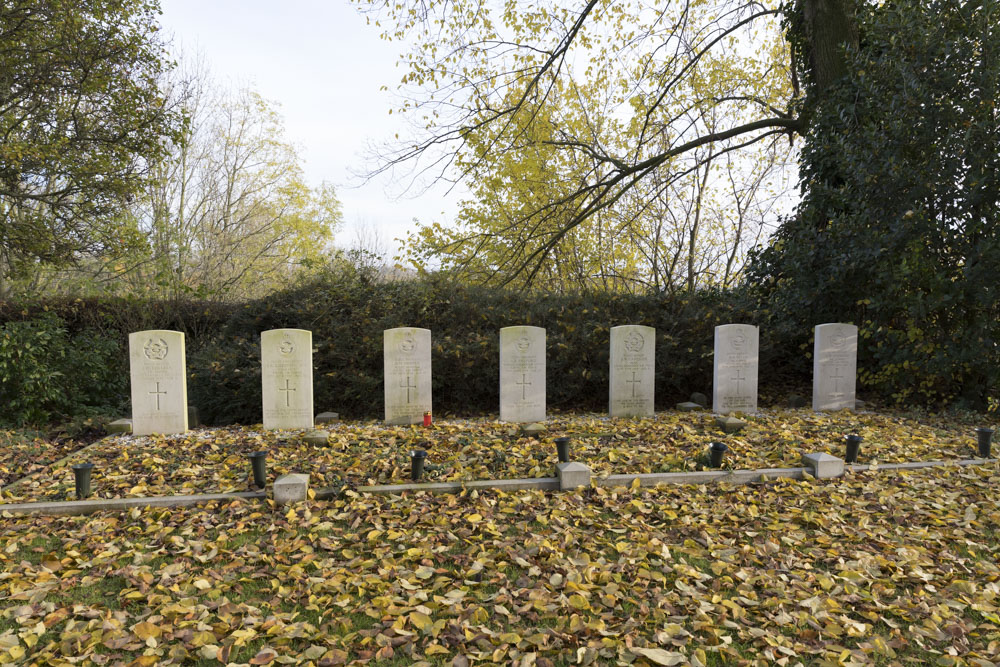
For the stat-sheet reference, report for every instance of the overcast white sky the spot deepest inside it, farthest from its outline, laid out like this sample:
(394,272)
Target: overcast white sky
(320,61)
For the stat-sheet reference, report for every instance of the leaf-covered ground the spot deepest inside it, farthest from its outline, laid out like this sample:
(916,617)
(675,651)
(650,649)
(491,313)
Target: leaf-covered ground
(23,453)
(873,568)
(363,453)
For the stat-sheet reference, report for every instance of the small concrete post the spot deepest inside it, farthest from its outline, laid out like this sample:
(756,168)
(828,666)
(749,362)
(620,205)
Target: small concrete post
(573,475)
(120,426)
(327,418)
(318,437)
(291,488)
(823,465)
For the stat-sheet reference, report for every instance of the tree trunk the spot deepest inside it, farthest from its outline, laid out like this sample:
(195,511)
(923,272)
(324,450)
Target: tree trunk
(830,25)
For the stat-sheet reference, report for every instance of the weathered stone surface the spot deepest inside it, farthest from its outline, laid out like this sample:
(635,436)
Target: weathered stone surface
(573,475)
(287,378)
(823,465)
(317,437)
(835,366)
(734,385)
(633,364)
(522,374)
(688,406)
(407,355)
(533,429)
(291,488)
(699,398)
(327,418)
(730,424)
(159,382)
(119,426)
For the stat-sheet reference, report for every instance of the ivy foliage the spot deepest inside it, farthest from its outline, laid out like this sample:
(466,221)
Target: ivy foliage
(898,227)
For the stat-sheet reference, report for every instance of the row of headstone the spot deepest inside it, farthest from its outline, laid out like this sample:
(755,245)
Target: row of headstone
(159,385)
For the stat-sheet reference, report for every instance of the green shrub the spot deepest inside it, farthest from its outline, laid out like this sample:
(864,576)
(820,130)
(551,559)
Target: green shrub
(46,374)
(31,384)
(347,314)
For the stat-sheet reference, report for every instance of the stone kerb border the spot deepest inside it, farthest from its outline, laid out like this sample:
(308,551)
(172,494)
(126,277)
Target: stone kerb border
(72,507)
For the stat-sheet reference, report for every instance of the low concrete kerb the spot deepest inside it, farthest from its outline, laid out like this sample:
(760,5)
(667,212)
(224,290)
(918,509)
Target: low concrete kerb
(914,465)
(538,483)
(70,507)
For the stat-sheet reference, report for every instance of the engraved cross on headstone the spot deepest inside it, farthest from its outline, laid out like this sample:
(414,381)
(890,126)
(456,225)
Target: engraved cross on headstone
(408,388)
(288,396)
(738,378)
(158,393)
(524,384)
(836,380)
(633,382)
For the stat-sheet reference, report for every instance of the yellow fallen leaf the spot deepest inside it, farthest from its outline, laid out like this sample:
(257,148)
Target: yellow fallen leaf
(146,630)
(661,657)
(420,621)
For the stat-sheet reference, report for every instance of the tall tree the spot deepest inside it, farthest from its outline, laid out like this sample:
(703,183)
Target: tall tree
(899,226)
(81,119)
(228,212)
(481,75)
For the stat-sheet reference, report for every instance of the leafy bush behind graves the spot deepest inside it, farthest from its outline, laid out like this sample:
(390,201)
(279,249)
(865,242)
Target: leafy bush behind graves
(347,312)
(46,374)
(66,358)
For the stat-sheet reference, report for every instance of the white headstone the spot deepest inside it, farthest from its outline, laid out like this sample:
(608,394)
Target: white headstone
(522,374)
(734,381)
(159,382)
(287,378)
(633,357)
(835,366)
(407,375)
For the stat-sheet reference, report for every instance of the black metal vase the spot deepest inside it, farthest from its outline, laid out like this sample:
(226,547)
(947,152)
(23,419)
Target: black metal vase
(258,463)
(417,458)
(853,445)
(715,453)
(562,449)
(985,437)
(81,474)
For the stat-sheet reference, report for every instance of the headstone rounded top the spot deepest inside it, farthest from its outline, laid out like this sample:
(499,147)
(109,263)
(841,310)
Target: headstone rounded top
(524,327)
(738,337)
(158,382)
(286,378)
(735,362)
(632,378)
(407,359)
(835,351)
(522,374)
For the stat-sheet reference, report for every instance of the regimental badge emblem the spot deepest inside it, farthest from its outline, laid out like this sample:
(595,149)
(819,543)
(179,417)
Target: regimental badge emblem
(286,347)
(523,344)
(407,344)
(155,349)
(634,342)
(739,341)
(838,339)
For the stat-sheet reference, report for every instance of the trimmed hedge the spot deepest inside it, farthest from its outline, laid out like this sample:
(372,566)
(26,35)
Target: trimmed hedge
(348,312)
